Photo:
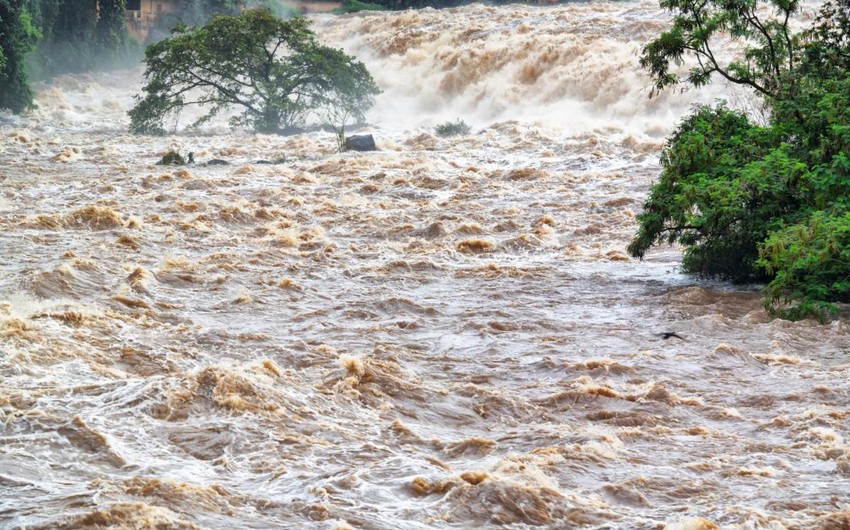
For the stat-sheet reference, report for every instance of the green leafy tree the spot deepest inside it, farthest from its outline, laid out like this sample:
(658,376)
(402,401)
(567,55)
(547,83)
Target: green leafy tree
(753,202)
(273,70)
(17,37)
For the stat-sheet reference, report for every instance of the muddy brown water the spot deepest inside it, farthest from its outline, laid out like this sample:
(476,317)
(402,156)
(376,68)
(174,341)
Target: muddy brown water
(443,334)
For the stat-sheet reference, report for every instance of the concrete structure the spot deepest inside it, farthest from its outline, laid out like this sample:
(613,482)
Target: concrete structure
(141,15)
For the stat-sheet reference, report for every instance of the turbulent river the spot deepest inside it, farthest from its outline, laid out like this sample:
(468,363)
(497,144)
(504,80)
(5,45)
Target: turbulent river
(446,333)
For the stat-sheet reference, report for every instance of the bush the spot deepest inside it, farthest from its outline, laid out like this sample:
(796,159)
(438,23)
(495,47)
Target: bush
(455,128)
(716,195)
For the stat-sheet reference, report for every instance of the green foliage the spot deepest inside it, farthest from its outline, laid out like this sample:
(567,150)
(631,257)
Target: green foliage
(772,202)
(354,6)
(767,42)
(724,185)
(827,53)
(273,70)
(17,37)
(453,128)
(197,12)
(809,261)
(72,41)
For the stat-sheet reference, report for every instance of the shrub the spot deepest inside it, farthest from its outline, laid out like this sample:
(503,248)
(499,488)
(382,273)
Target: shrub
(716,194)
(455,128)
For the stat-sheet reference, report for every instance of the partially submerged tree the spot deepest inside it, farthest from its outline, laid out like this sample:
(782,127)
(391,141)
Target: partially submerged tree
(753,202)
(273,70)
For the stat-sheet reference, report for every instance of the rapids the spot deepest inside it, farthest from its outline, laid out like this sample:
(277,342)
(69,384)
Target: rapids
(446,333)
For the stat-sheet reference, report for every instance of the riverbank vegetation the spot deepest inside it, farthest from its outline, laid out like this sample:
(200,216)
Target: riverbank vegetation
(759,201)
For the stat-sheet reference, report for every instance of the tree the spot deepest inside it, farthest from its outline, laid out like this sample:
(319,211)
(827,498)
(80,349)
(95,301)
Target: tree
(17,37)
(751,202)
(274,70)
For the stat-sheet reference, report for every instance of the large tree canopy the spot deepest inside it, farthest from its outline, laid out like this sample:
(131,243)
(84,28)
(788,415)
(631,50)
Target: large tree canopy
(273,70)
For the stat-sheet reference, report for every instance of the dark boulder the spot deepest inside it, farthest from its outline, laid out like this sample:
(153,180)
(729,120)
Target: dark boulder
(217,162)
(360,142)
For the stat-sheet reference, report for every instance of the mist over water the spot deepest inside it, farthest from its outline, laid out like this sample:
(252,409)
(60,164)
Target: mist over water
(573,66)
(447,333)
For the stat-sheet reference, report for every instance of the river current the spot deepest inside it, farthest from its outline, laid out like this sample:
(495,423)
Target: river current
(446,333)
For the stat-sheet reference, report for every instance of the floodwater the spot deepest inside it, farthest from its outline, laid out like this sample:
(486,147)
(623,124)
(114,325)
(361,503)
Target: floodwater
(446,333)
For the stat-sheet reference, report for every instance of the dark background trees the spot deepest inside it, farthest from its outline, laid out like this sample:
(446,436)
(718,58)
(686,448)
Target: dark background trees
(42,38)
(17,37)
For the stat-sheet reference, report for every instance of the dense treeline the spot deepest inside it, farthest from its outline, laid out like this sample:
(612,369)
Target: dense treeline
(40,38)
(750,201)
(78,35)
(17,37)
(198,12)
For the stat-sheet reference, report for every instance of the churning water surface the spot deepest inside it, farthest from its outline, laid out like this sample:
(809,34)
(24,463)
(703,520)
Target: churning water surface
(446,333)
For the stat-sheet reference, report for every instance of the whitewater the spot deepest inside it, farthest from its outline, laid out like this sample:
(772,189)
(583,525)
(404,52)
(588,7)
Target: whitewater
(445,333)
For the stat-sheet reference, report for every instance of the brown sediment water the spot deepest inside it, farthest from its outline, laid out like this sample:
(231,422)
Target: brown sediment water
(447,333)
